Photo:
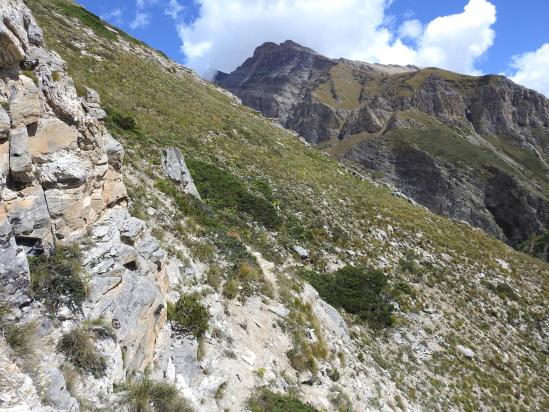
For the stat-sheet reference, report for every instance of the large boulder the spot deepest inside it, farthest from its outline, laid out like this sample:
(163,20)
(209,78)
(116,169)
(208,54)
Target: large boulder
(52,135)
(28,215)
(18,31)
(14,268)
(64,170)
(115,151)
(21,169)
(174,165)
(126,286)
(4,124)
(24,101)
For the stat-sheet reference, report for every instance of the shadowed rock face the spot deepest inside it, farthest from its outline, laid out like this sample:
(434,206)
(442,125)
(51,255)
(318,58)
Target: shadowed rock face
(472,148)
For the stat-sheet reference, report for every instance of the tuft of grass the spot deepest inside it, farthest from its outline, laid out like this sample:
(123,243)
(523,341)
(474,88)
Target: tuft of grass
(79,348)
(30,74)
(56,76)
(57,279)
(147,395)
(265,400)
(189,316)
(20,337)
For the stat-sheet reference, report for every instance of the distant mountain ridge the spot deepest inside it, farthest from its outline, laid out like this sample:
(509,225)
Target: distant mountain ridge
(472,148)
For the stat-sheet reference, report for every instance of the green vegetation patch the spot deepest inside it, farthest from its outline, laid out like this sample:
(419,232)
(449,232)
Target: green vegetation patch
(189,316)
(264,400)
(19,337)
(537,246)
(360,290)
(79,348)
(224,190)
(150,396)
(58,278)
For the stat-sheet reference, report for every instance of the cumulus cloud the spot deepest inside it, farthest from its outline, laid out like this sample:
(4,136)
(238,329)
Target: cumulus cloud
(411,29)
(455,42)
(531,69)
(227,32)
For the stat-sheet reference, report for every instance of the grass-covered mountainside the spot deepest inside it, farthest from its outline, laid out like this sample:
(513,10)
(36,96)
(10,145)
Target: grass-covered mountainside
(474,148)
(426,288)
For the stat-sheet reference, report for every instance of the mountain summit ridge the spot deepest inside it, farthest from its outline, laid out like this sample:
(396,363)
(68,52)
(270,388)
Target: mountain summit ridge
(401,121)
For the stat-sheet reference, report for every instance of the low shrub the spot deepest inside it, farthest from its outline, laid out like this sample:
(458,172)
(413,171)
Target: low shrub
(361,291)
(57,278)
(334,374)
(30,74)
(224,190)
(189,316)
(117,119)
(302,359)
(264,400)
(149,396)
(79,348)
(504,291)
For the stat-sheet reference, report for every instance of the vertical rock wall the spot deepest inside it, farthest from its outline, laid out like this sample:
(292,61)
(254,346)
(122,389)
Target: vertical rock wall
(61,182)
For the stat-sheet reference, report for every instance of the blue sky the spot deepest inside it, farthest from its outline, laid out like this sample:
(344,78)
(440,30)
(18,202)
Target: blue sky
(470,36)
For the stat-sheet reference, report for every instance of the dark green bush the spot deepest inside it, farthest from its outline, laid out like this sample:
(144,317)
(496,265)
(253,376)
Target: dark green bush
(189,205)
(120,120)
(149,396)
(189,316)
(334,374)
(504,291)
(56,277)
(78,346)
(361,291)
(224,190)
(537,246)
(265,400)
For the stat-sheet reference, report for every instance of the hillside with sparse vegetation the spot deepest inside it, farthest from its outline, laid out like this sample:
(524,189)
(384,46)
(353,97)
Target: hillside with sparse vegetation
(295,282)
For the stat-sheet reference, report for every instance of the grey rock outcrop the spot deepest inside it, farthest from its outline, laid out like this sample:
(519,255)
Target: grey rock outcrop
(18,31)
(14,267)
(60,180)
(175,168)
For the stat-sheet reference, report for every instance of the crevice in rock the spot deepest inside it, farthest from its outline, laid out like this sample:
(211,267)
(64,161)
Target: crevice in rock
(32,128)
(52,228)
(131,266)
(32,246)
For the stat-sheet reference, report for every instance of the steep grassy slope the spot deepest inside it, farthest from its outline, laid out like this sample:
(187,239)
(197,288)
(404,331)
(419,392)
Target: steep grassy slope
(457,279)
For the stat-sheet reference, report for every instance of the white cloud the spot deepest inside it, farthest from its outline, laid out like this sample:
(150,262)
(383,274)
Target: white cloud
(411,29)
(455,42)
(141,20)
(531,69)
(173,9)
(227,32)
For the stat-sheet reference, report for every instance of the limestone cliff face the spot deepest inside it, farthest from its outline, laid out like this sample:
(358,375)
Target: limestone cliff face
(439,137)
(61,183)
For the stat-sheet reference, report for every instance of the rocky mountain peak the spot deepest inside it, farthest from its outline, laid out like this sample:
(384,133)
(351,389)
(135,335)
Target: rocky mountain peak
(363,111)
